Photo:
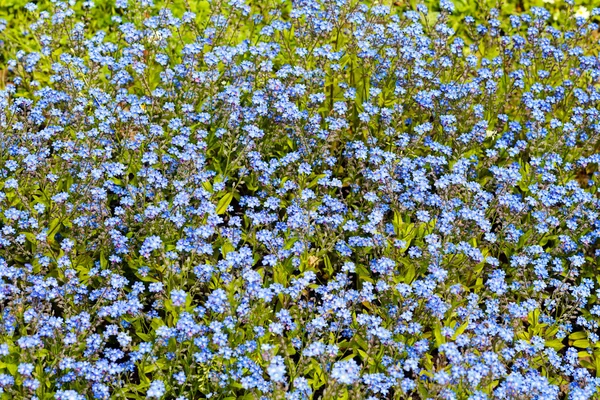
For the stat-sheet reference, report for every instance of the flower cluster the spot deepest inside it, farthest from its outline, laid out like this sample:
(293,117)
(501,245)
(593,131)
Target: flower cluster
(313,199)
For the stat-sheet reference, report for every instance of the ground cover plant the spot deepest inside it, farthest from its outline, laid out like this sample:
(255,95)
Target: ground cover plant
(317,199)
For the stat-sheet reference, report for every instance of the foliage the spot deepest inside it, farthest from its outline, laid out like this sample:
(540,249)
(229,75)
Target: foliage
(322,199)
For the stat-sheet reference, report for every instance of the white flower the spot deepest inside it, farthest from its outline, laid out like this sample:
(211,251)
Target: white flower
(155,37)
(490,133)
(582,12)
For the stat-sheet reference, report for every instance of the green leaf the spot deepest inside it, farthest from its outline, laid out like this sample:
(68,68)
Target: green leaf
(555,344)
(460,330)
(224,203)
(361,342)
(144,336)
(578,335)
(582,343)
(53,229)
(439,338)
(12,368)
(328,265)
(226,248)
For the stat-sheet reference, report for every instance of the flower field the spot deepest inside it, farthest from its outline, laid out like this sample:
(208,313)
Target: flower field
(299,199)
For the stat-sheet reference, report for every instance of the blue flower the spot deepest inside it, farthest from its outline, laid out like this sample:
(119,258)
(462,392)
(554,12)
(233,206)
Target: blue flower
(276,369)
(156,390)
(178,297)
(346,372)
